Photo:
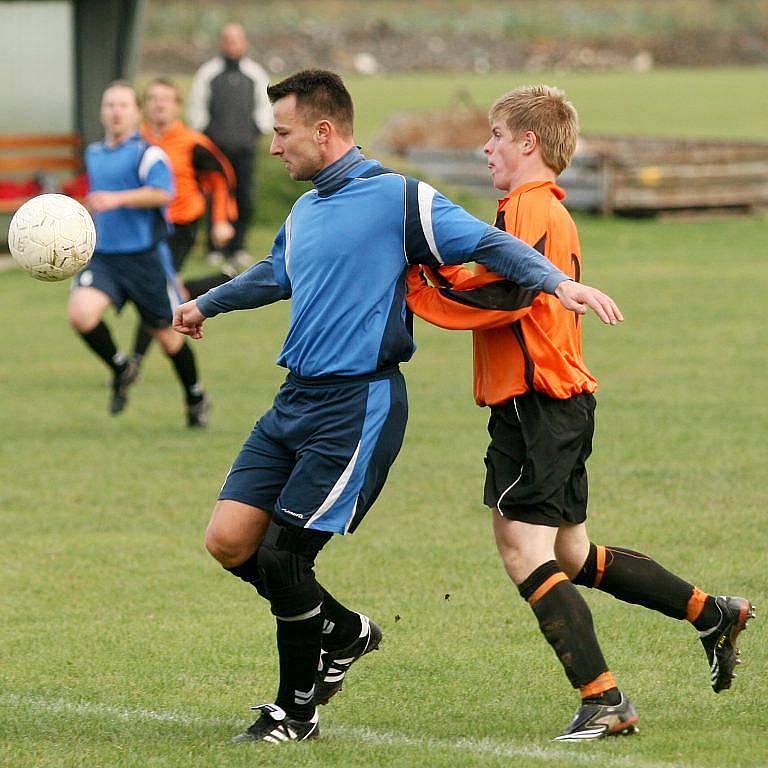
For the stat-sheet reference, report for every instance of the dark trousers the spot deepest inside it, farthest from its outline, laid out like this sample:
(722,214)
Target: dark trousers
(181,242)
(243,163)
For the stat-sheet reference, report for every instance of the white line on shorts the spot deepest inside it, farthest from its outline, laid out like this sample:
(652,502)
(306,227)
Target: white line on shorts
(486,746)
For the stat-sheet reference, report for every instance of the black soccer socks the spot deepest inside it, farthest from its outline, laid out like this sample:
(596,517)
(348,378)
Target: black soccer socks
(636,578)
(99,339)
(186,371)
(566,622)
(340,625)
(298,647)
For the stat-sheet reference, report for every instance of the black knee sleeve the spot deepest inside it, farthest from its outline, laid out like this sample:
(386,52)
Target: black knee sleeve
(588,573)
(249,573)
(286,560)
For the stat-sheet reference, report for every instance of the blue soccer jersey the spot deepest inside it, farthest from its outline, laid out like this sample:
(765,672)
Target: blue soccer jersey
(132,164)
(341,256)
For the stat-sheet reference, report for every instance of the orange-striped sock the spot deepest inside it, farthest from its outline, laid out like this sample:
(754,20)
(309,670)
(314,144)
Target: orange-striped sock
(566,622)
(636,578)
(701,610)
(602,690)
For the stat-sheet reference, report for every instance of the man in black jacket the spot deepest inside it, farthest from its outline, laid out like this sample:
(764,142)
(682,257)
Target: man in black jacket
(229,103)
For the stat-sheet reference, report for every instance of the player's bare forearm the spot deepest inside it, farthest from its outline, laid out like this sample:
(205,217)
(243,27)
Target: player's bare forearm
(577,297)
(141,197)
(145,197)
(188,319)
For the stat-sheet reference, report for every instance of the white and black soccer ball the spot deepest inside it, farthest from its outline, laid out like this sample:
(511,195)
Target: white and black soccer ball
(52,237)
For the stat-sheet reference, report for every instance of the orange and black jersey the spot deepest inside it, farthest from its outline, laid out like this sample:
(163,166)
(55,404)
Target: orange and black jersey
(200,169)
(522,340)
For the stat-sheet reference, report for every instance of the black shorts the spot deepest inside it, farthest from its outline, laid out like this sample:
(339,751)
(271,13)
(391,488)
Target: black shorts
(536,461)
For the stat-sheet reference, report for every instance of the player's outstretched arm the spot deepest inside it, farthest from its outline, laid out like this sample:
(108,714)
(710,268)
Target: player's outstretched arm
(188,319)
(577,297)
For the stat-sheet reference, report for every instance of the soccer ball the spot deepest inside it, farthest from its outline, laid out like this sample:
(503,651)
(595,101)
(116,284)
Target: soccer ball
(52,237)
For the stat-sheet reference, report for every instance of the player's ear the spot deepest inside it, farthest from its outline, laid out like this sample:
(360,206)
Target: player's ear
(530,142)
(323,131)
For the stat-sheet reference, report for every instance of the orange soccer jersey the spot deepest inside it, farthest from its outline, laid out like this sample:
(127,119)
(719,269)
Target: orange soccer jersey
(522,341)
(200,168)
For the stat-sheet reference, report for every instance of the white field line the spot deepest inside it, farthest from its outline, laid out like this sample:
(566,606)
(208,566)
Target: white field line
(348,733)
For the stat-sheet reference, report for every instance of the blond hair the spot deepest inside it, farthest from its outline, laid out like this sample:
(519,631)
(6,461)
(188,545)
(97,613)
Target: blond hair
(543,110)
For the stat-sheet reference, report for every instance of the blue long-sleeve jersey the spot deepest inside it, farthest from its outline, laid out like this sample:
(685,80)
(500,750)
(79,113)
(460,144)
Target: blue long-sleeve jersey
(342,254)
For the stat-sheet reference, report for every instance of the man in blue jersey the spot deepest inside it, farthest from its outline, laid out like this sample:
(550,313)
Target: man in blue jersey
(131,182)
(315,463)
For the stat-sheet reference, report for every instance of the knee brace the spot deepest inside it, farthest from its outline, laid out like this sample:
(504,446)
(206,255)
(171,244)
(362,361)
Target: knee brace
(249,573)
(286,560)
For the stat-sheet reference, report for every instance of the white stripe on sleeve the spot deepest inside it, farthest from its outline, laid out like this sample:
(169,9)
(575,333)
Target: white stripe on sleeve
(151,156)
(426,196)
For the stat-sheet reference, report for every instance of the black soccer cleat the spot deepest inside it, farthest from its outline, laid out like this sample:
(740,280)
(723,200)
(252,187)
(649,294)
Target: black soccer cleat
(720,641)
(275,727)
(197,412)
(118,398)
(595,721)
(334,665)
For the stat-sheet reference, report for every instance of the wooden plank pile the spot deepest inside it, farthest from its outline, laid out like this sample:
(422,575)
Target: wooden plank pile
(609,174)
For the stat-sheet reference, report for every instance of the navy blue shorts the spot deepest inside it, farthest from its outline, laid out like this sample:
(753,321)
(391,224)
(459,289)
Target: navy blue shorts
(146,279)
(320,456)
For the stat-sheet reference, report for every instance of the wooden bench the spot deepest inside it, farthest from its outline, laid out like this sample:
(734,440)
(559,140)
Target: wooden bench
(25,156)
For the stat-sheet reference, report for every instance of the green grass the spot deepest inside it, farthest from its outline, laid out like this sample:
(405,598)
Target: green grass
(123,644)
(703,103)
(717,103)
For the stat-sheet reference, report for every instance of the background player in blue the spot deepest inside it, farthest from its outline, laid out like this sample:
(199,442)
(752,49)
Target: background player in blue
(130,183)
(315,463)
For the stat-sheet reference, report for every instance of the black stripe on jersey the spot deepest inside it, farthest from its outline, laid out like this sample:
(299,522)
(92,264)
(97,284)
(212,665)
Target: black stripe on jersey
(576,268)
(541,245)
(442,280)
(502,295)
(396,346)
(517,329)
(204,160)
(416,245)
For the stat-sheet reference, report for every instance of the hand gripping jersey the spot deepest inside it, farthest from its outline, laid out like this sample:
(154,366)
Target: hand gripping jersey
(342,255)
(522,341)
(130,165)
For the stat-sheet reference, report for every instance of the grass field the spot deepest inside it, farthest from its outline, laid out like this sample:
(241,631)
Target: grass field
(700,103)
(123,644)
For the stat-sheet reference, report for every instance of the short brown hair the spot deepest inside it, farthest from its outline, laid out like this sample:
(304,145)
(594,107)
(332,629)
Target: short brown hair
(546,112)
(164,81)
(320,94)
(122,84)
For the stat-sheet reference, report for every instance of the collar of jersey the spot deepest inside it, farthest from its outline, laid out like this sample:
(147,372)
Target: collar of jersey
(558,192)
(132,137)
(336,175)
(176,128)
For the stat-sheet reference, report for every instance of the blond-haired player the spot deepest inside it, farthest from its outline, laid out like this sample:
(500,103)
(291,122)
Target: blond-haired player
(530,371)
